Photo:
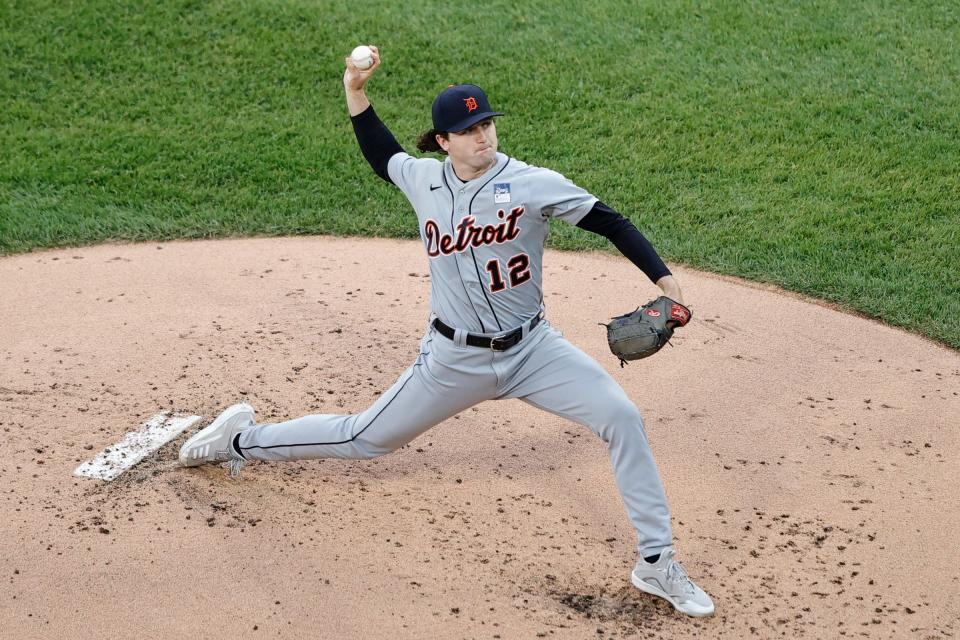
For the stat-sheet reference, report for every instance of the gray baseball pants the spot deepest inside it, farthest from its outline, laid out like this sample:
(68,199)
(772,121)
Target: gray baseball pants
(544,370)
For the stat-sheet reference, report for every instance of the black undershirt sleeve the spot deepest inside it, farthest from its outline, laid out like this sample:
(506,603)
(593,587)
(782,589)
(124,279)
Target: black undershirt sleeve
(626,238)
(376,142)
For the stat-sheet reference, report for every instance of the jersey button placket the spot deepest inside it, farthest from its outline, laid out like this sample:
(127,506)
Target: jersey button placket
(473,277)
(460,211)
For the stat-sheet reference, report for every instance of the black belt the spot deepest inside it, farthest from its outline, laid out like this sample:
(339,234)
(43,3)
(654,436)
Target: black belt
(500,343)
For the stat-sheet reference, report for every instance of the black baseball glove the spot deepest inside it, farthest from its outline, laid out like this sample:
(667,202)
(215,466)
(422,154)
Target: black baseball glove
(643,332)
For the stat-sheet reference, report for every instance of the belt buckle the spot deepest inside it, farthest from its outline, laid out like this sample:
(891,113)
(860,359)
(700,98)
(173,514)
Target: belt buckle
(502,343)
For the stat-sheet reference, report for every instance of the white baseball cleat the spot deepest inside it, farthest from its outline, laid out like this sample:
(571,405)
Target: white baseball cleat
(215,442)
(667,579)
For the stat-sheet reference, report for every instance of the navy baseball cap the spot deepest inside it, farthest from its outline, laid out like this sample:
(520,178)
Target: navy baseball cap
(461,106)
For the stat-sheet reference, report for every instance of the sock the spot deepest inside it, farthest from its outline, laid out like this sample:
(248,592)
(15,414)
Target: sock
(236,446)
(652,559)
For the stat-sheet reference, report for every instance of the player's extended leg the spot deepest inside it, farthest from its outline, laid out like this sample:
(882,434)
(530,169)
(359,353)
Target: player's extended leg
(442,382)
(556,376)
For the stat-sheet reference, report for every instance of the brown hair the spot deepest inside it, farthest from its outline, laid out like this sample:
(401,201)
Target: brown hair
(427,142)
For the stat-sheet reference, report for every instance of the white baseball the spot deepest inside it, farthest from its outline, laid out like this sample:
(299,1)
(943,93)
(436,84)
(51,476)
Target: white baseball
(362,57)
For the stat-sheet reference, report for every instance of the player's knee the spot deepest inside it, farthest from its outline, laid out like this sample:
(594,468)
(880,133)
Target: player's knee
(623,419)
(368,453)
(368,449)
(624,413)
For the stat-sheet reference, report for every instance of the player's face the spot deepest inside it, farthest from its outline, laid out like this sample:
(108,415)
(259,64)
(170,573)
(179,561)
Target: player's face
(475,147)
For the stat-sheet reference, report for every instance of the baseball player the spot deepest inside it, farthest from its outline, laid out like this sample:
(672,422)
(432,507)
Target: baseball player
(483,219)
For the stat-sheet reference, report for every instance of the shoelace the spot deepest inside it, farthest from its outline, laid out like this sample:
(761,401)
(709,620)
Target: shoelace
(678,576)
(236,464)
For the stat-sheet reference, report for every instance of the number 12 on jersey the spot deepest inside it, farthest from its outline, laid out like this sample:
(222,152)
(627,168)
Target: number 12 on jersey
(518,269)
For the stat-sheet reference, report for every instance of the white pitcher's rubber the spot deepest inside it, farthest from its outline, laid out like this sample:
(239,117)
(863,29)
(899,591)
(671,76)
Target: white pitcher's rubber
(113,461)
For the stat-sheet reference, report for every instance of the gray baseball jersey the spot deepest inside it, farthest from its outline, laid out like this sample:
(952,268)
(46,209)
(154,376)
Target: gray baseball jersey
(485,240)
(485,237)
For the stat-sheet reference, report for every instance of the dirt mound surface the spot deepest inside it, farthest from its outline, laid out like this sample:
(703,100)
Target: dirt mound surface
(810,458)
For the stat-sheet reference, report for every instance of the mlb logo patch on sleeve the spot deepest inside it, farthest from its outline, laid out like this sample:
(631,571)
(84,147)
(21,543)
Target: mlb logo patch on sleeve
(501,192)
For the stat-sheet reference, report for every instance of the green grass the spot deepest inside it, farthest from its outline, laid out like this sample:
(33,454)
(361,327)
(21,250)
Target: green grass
(814,145)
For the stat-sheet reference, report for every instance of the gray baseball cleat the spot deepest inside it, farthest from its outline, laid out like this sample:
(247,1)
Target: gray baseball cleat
(215,442)
(667,579)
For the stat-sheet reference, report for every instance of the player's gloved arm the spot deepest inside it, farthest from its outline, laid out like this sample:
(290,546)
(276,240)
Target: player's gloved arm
(627,239)
(376,142)
(671,288)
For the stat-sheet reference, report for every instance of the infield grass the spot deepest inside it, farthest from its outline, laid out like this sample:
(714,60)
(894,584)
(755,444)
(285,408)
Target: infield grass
(813,145)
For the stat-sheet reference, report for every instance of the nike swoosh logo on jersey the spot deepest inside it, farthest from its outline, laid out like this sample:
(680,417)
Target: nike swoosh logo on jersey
(433,188)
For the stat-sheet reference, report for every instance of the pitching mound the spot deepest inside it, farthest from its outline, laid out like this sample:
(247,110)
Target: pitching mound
(810,458)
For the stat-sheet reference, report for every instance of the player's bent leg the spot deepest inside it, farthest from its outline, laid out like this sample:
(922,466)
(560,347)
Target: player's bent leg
(573,385)
(559,378)
(417,401)
(618,423)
